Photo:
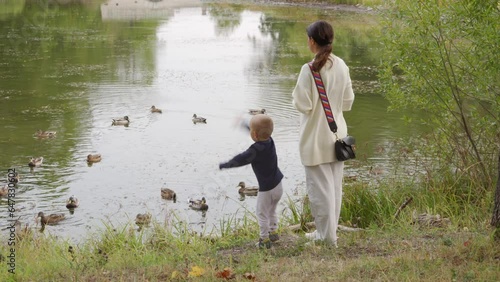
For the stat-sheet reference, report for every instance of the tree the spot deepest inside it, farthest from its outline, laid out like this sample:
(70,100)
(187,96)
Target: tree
(442,58)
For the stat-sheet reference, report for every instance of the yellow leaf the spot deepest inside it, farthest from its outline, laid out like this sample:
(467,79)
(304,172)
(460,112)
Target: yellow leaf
(196,271)
(175,274)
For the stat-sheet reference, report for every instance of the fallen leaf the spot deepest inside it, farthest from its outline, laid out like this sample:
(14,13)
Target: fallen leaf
(467,243)
(175,274)
(227,273)
(196,271)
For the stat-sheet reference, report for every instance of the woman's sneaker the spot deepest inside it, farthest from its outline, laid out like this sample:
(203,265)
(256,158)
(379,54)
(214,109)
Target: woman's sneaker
(273,236)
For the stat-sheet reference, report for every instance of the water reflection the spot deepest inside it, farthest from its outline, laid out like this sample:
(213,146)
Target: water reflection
(76,72)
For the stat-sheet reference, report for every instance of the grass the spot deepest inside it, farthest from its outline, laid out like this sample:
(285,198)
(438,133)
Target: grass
(388,249)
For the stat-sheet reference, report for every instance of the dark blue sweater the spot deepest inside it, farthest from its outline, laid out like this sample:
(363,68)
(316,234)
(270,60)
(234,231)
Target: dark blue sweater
(262,156)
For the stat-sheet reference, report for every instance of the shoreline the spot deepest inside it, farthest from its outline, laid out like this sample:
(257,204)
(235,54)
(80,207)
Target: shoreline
(293,3)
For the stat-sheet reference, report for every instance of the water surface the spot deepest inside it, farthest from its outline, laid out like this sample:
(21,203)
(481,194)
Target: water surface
(73,68)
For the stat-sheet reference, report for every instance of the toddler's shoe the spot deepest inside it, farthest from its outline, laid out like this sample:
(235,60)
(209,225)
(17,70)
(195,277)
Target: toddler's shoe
(264,243)
(312,236)
(273,236)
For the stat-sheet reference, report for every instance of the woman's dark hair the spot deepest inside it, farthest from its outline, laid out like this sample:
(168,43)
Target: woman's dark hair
(322,33)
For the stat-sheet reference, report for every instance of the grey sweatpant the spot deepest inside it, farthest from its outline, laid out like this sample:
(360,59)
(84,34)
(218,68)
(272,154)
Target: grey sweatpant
(267,202)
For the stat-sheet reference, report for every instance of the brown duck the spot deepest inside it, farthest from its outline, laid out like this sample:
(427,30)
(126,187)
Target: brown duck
(168,194)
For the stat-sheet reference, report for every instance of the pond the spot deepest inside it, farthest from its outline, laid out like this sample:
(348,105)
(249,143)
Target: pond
(73,66)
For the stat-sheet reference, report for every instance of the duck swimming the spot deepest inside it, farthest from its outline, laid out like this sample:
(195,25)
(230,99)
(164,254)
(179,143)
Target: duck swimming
(247,191)
(72,203)
(168,194)
(143,219)
(93,158)
(155,110)
(4,190)
(51,219)
(200,205)
(256,111)
(45,134)
(197,119)
(35,162)
(121,121)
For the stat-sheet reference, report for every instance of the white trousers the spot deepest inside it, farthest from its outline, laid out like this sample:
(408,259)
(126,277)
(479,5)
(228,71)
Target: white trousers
(267,202)
(324,187)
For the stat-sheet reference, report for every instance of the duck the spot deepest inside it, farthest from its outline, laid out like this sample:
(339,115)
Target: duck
(143,218)
(168,194)
(93,158)
(72,203)
(155,110)
(4,190)
(256,111)
(34,162)
(45,134)
(247,191)
(50,219)
(199,119)
(376,170)
(121,121)
(200,205)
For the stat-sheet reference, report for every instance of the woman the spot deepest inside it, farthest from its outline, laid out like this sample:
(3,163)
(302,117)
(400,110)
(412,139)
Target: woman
(323,172)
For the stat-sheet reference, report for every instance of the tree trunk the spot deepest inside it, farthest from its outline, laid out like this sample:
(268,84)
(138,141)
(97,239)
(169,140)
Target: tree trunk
(495,220)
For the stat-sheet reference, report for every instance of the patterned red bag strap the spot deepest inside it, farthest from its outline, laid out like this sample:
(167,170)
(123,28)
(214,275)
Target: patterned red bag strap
(324,99)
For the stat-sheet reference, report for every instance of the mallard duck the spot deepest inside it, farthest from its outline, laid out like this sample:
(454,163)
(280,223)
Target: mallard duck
(168,194)
(198,119)
(51,218)
(200,205)
(256,111)
(45,134)
(93,158)
(376,170)
(4,190)
(247,191)
(72,202)
(121,121)
(143,219)
(155,110)
(34,162)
